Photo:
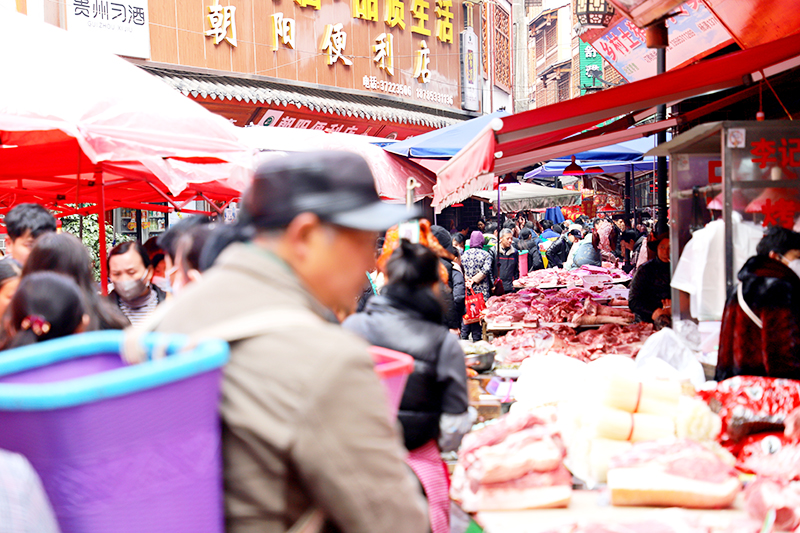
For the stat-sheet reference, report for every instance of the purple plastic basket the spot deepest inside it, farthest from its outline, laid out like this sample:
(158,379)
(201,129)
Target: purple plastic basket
(137,461)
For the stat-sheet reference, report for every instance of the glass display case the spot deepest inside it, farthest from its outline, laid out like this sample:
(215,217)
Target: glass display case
(744,173)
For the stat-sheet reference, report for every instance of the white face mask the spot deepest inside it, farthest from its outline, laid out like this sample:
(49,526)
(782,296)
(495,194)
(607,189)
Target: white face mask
(795,266)
(161,283)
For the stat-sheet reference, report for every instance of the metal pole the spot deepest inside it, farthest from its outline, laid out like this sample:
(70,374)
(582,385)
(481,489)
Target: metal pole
(138,214)
(661,161)
(628,180)
(499,229)
(101,226)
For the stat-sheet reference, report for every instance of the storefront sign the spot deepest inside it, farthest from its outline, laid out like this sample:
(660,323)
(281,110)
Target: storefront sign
(470,92)
(121,27)
(766,151)
(590,62)
(693,33)
(283,119)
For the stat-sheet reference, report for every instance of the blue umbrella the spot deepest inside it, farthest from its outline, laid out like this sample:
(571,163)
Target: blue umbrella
(443,143)
(632,150)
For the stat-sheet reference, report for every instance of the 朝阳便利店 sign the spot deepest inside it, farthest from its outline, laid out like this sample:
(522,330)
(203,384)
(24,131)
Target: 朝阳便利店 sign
(372,45)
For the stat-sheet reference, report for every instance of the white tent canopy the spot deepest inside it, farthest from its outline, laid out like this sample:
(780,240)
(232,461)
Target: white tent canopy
(529,196)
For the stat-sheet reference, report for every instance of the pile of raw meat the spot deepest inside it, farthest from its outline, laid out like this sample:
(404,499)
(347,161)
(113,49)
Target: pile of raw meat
(581,277)
(586,346)
(571,306)
(514,463)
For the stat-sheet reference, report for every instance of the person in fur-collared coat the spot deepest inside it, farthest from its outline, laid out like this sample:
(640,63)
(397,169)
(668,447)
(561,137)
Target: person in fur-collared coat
(761,337)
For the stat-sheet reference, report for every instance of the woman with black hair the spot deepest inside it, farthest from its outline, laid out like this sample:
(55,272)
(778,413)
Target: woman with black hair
(46,306)
(407,317)
(65,254)
(760,333)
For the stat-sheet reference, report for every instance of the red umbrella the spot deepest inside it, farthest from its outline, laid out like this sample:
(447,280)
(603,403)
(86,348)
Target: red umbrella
(78,125)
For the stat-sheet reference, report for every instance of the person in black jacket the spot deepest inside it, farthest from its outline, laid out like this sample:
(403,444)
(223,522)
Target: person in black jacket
(650,294)
(407,317)
(454,295)
(559,251)
(530,243)
(507,260)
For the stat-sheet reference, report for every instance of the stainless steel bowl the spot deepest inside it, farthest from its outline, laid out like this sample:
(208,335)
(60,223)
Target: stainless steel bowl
(480,362)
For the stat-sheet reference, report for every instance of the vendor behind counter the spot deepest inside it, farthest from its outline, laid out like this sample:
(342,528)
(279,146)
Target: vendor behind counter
(650,293)
(760,333)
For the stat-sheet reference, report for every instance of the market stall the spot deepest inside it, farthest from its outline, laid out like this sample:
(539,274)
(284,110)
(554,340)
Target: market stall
(518,197)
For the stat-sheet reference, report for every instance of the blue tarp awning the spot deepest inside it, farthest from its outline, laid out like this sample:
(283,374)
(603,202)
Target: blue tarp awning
(444,143)
(556,167)
(626,156)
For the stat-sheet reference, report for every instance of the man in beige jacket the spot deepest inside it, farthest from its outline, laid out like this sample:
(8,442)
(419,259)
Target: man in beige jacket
(305,423)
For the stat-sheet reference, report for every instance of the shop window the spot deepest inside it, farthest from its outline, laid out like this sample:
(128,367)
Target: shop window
(551,34)
(563,87)
(502,57)
(539,44)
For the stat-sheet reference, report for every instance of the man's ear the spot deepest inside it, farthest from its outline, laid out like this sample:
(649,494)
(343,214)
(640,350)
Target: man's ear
(299,235)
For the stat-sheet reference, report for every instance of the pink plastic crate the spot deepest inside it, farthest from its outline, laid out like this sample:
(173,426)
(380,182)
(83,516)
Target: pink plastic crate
(393,369)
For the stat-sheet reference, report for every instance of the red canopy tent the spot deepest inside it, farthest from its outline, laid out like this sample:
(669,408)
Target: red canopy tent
(79,126)
(553,131)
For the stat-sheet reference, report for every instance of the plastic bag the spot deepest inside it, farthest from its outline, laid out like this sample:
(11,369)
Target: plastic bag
(752,404)
(474,304)
(666,346)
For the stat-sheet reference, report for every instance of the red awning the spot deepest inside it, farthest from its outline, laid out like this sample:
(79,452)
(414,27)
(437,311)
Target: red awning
(518,144)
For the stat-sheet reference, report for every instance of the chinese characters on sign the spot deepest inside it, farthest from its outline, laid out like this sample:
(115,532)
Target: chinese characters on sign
(773,156)
(282,30)
(384,52)
(365,9)
(693,33)
(333,43)
(444,21)
(121,27)
(222,23)
(421,61)
(420,17)
(394,13)
(278,120)
(428,17)
(316,4)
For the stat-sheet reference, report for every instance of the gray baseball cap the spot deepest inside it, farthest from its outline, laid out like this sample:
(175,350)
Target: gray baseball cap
(336,186)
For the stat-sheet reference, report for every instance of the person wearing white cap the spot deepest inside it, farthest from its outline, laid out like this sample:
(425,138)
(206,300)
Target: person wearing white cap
(306,428)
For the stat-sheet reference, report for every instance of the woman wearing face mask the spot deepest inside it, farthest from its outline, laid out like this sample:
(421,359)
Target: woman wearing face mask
(131,273)
(760,333)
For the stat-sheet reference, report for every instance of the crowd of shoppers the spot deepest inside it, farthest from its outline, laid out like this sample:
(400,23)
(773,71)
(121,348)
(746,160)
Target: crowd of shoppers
(306,432)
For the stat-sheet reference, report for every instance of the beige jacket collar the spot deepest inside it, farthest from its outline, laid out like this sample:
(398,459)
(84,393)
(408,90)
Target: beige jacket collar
(267,266)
